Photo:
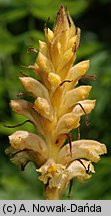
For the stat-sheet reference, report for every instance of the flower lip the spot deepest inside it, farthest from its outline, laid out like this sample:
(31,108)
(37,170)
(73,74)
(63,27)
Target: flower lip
(87,149)
(26,140)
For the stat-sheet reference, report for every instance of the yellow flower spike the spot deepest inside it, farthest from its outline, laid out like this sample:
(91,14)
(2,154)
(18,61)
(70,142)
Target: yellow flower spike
(57,108)
(25,108)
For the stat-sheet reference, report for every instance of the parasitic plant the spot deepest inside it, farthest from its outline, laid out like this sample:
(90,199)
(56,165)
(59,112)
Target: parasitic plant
(57,108)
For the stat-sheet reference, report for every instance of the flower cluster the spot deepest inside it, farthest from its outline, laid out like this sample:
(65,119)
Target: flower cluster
(58,106)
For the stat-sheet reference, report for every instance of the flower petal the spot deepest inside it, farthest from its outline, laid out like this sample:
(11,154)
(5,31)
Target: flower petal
(56,51)
(87,149)
(65,59)
(72,28)
(76,72)
(53,174)
(26,140)
(79,169)
(43,48)
(66,123)
(87,105)
(23,157)
(49,35)
(25,108)
(42,106)
(54,81)
(35,87)
(44,63)
(73,96)
(25,147)
(61,23)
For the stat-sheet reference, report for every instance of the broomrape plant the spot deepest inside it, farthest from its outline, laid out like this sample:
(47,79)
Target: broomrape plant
(57,108)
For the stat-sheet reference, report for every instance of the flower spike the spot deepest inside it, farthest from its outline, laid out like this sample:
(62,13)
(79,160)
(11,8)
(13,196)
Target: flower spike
(57,107)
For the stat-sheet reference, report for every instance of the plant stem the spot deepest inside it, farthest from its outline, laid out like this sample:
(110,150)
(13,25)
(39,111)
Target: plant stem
(51,193)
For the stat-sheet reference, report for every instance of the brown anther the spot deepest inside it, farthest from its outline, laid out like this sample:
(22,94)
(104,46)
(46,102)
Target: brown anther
(23,94)
(46,23)
(89,77)
(28,67)
(32,49)
(64,30)
(57,141)
(75,47)
(20,94)
(24,75)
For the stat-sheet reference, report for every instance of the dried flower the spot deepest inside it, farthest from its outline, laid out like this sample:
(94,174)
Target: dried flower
(57,108)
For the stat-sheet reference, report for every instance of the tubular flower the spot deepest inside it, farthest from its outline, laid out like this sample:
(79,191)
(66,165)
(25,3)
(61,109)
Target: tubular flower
(57,108)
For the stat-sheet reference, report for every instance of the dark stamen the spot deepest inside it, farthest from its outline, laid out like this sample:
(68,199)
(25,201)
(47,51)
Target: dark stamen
(87,123)
(24,165)
(68,17)
(14,126)
(75,47)
(79,134)
(32,49)
(23,94)
(81,163)
(70,188)
(89,77)
(28,67)
(13,154)
(24,75)
(65,82)
(66,9)
(70,144)
(46,24)
(88,168)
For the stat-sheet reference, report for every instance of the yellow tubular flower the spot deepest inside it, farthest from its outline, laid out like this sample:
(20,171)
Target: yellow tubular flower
(57,108)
